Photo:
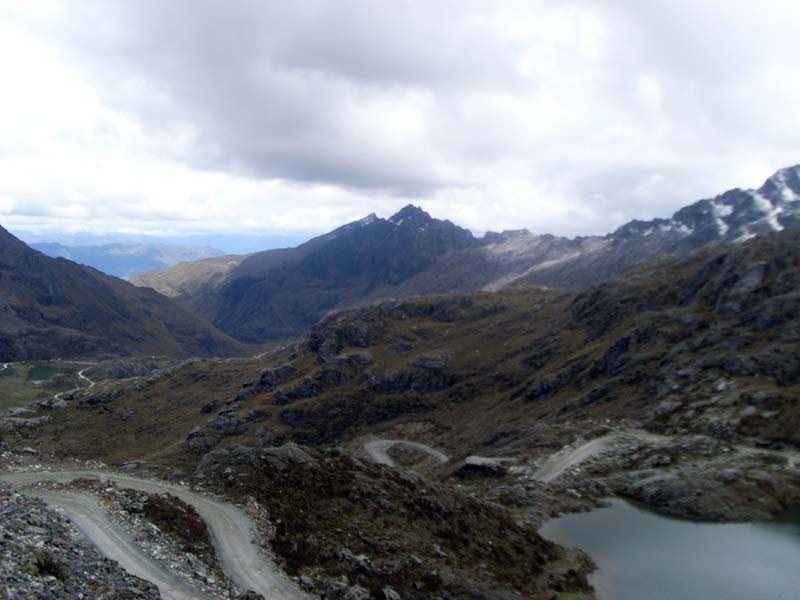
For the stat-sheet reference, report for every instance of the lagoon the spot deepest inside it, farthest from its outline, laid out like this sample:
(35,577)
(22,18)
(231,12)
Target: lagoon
(644,555)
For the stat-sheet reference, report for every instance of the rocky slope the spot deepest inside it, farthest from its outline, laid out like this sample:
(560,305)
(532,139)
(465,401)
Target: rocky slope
(56,308)
(703,345)
(675,385)
(354,530)
(280,294)
(44,556)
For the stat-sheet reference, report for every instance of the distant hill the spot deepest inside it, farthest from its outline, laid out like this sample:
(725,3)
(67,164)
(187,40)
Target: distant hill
(278,294)
(53,307)
(127,260)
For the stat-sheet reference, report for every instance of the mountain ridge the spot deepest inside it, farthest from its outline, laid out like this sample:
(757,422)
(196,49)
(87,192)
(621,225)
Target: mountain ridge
(265,295)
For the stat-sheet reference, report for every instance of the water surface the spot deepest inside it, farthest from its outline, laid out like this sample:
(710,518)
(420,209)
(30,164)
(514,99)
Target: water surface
(642,555)
(39,373)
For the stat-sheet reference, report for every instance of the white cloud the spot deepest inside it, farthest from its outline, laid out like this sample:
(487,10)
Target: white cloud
(571,117)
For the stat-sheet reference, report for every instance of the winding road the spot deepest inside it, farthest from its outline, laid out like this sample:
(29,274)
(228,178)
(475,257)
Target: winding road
(232,533)
(377,450)
(555,466)
(114,543)
(81,376)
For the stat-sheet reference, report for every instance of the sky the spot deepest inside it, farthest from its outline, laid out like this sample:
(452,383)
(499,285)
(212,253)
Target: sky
(259,118)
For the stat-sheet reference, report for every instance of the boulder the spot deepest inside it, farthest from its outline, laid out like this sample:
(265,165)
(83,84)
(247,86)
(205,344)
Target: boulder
(289,453)
(21,412)
(478,467)
(270,378)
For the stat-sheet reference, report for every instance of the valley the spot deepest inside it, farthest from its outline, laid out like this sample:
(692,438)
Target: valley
(361,439)
(438,433)
(399,300)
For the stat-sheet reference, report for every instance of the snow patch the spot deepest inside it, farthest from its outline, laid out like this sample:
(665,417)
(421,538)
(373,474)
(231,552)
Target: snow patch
(770,212)
(746,235)
(787,193)
(718,211)
(761,203)
(683,228)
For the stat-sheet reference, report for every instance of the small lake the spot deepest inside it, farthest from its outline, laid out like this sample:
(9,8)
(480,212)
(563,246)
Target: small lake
(642,555)
(39,373)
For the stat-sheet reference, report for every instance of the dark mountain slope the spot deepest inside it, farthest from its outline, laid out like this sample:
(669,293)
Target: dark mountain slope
(56,308)
(279,294)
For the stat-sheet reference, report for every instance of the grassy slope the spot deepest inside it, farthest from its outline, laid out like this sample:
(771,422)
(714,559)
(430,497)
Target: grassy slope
(523,366)
(16,388)
(515,372)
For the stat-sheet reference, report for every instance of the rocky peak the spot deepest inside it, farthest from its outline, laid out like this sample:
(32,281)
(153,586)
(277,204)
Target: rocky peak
(783,186)
(493,237)
(411,216)
(735,216)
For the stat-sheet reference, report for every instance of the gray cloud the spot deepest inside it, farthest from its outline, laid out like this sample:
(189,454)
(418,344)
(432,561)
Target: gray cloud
(569,117)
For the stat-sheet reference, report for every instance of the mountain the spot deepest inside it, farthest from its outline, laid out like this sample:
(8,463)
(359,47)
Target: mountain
(735,216)
(516,258)
(52,307)
(127,260)
(279,294)
(675,385)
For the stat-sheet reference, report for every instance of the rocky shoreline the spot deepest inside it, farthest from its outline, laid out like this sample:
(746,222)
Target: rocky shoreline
(690,476)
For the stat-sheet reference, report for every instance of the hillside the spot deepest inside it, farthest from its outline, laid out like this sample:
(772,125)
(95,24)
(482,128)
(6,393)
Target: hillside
(52,307)
(703,345)
(675,385)
(280,294)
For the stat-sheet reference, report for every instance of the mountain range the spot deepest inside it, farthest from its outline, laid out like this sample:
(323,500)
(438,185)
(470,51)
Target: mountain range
(408,448)
(279,294)
(126,260)
(56,308)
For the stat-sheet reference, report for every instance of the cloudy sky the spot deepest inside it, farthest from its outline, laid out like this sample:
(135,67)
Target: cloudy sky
(569,116)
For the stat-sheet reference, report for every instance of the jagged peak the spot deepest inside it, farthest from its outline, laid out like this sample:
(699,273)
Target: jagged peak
(410,215)
(368,220)
(784,185)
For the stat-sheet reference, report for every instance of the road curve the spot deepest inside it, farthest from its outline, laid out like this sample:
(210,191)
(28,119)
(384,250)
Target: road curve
(116,544)
(80,376)
(232,532)
(555,466)
(377,450)
(84,377)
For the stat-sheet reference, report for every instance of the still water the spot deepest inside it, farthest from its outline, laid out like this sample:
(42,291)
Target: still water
(642,555)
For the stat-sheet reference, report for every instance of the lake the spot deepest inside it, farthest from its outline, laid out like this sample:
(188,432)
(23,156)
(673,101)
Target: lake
(642,555)
(39,373)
